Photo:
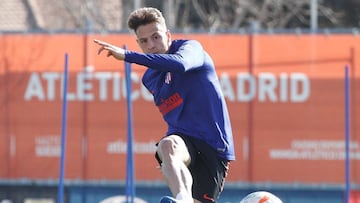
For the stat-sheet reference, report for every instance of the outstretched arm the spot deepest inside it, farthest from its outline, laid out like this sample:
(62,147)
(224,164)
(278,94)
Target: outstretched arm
(190,55)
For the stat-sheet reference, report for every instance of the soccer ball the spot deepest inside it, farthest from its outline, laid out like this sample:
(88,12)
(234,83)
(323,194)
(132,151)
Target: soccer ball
(261,197)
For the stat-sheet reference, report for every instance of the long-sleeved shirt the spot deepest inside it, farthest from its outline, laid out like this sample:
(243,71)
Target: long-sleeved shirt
(187,92)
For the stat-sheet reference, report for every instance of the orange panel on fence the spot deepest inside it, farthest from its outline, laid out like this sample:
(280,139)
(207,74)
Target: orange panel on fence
(285,95)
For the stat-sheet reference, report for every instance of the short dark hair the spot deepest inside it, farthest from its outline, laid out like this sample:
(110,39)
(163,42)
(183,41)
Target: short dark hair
(144,16)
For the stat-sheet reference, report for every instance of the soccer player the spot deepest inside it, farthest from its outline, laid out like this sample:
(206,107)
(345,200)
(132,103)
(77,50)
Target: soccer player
(195,152)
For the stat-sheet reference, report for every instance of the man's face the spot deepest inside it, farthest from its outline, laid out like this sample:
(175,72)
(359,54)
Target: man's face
(153,38)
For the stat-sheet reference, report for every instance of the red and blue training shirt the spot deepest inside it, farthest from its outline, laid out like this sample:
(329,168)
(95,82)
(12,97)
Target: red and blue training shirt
(187,92)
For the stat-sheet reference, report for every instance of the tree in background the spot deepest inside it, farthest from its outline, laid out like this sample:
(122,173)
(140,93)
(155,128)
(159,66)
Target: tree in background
(188,15)
(269,14)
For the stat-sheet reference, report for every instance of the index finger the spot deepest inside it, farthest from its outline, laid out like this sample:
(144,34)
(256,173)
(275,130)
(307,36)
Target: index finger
(102,43)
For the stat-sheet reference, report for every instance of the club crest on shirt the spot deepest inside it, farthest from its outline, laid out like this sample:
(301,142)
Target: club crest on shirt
(168,78)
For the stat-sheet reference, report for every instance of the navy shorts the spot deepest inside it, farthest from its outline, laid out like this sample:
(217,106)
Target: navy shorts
(207,169)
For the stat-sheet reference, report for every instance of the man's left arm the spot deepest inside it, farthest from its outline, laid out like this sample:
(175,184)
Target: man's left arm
(189,55)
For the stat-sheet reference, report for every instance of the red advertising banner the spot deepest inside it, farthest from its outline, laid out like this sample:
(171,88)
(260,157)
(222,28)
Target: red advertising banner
(285,94)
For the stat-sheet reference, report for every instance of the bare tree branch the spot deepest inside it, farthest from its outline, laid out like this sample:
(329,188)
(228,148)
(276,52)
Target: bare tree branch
(212,15)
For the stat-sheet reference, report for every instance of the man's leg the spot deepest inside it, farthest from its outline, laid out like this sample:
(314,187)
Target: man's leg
(175,157)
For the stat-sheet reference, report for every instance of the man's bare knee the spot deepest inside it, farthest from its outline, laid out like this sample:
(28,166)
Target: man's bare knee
(173,147)
(165,147)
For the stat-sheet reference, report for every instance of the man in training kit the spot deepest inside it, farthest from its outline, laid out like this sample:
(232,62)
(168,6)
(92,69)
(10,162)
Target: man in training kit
(195,153)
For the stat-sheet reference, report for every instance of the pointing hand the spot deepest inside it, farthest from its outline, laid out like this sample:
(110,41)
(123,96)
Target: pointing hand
(112,50)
